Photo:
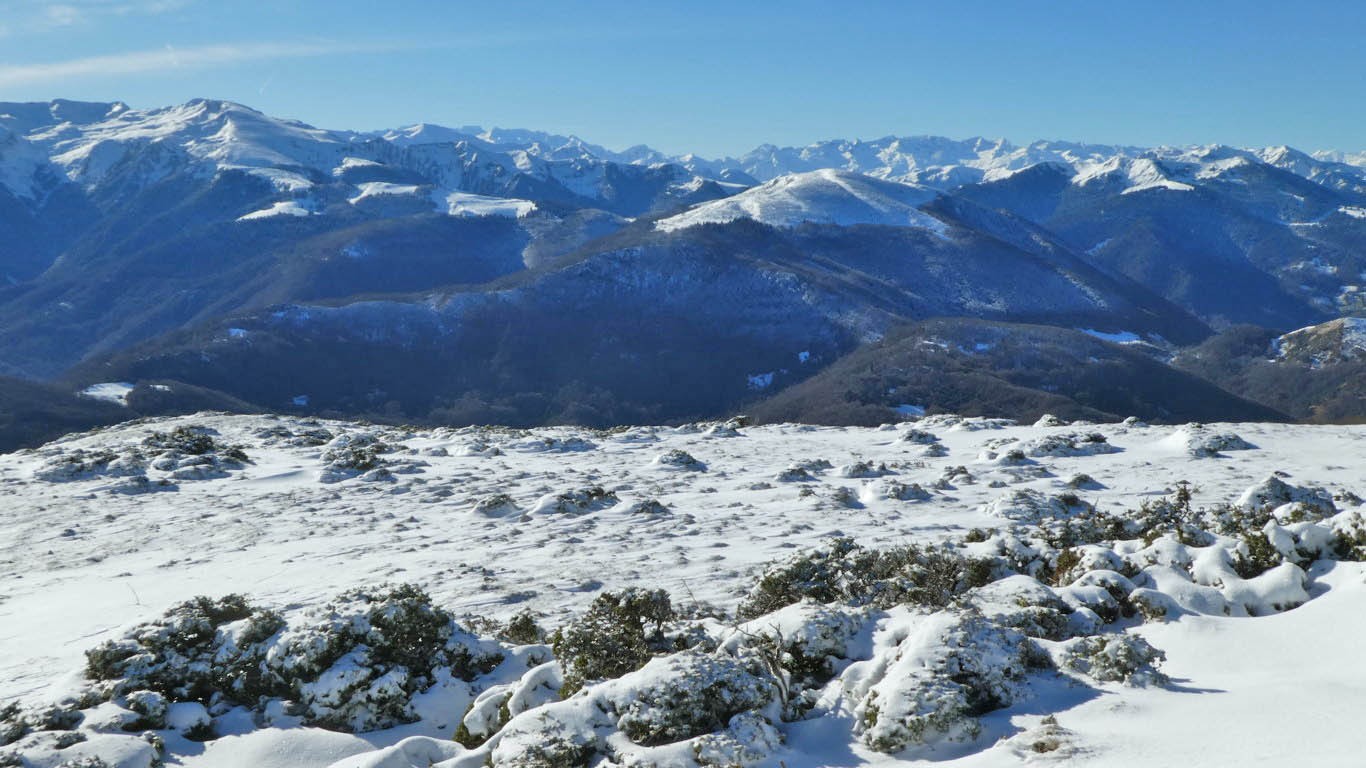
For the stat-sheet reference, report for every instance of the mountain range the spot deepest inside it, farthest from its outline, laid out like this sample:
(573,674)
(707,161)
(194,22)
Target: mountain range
(240,261)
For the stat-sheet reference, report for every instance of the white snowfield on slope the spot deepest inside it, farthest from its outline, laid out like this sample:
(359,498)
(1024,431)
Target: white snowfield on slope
(90,553)
(819,197)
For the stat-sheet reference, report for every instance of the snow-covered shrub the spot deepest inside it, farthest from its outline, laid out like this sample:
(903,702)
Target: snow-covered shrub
(81,464)
(1024,604)
(549,444)
(844,572)
(1083,482)
(522,629)
(691,694)
(748,739)
(943,671)
(354,665)
(844,496)
(679,459)
(1255,556)
(1349,536)
(863,469)
(170,656)
(802,646)
(1202,443)
(576,502)
(1274,492)
(151,708)
(353,454)
(618,633)
(1026,505)
(952,476)
(919,437)
(1064,444)
(497,505)
(685,710)
(193,440)
(1120,658)
(647,507)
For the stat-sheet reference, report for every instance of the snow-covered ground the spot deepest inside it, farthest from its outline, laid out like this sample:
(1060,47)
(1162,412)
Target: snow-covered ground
(99,538)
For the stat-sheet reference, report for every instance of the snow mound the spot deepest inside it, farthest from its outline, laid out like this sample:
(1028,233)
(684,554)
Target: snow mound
(819,197)
(1274,492)
(933,676)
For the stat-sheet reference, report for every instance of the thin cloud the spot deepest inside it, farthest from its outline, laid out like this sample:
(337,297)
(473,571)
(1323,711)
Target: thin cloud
(170,59)
(41,15)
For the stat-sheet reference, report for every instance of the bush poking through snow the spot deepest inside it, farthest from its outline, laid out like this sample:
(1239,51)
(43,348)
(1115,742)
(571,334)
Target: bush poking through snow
(353,667)
(522,629)
(618,634)
(576,502)
(195,440)
(693,694)
(679,459)
(1127,659)
(844,572)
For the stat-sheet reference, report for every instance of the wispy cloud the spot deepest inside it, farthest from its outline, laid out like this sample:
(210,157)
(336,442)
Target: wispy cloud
(170,59)
(40,15)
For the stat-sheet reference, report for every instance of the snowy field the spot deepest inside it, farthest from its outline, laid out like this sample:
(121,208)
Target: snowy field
(106,530)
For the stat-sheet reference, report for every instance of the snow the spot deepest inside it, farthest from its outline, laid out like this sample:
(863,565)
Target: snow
(281,208)
(1138,174)
(910,410)
(820,197)
(1353,211)
(270,529)
(1116,337)
(111,391)
(467,204)
(381,188)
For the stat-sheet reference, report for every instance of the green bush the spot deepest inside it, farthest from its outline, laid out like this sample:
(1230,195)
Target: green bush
(844,572)
(617,635)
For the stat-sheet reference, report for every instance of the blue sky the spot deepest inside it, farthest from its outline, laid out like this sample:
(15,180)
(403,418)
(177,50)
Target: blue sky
(721,77)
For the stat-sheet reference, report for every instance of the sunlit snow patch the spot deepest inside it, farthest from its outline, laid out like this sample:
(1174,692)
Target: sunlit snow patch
(110,391)
(354,162)
(1118,337)
(464,204)
(282,208)
(1353,211)
(819,197)
(378,188)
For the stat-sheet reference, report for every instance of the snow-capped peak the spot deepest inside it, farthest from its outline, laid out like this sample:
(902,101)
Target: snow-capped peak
(821,197)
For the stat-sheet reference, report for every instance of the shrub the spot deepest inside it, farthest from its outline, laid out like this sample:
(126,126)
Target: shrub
(618,634)
(844,572)
(522,629)
(353,667)
(1127,659)
(696,693)
(1256,556)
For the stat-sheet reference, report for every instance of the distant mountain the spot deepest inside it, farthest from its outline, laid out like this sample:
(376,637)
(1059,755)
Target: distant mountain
(656,322)
(979,368)
(1316,373)
(525,277)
